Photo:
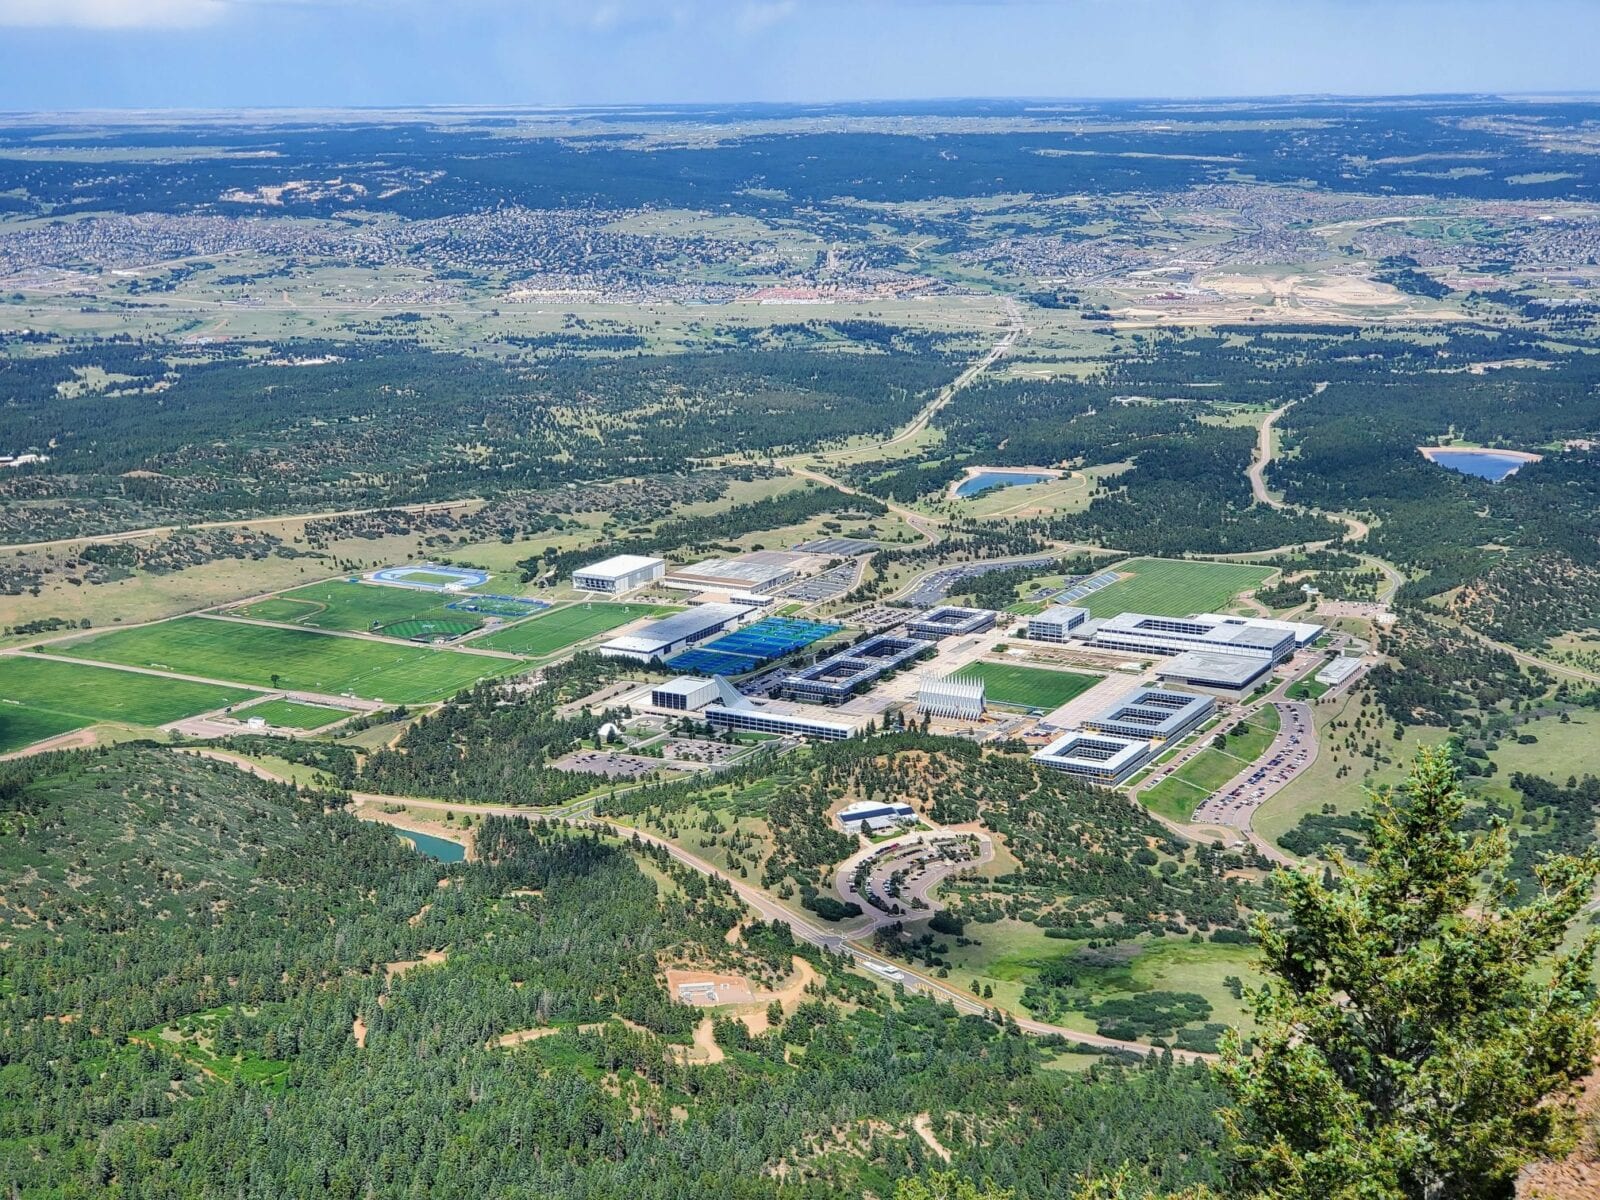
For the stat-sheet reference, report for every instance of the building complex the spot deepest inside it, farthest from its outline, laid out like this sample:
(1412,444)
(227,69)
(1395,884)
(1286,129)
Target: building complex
(834,679)
(950,620)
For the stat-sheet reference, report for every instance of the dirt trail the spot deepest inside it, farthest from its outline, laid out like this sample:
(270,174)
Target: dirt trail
(923,1124)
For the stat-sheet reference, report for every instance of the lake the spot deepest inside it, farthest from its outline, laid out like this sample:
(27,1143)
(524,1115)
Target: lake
(440,848)
(1485,465)
(985,481)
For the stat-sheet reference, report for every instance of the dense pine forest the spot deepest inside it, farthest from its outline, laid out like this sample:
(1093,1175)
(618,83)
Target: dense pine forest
(210,990)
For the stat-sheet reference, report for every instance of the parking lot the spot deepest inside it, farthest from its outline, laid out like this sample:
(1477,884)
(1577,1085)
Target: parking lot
(1292,751)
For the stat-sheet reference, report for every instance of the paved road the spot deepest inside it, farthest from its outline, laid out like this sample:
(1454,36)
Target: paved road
(769,909)
(920,888)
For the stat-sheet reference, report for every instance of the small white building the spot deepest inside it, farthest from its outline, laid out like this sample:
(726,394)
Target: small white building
(618,574)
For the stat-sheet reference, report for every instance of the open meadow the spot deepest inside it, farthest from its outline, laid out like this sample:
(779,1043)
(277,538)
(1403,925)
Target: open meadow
(272,656)
(1171,587)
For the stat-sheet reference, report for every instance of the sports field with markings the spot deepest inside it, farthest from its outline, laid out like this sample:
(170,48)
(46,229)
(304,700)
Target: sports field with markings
(44,697)
(357,607)
(294,659)
(1027,687)
(563,627)
(292,714)
(1171,587)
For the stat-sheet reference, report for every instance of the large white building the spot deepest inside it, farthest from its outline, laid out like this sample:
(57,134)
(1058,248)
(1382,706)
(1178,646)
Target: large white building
(1156,714)
(1229,675)
(1145,633)
(618,574)
(1098,757)
(665,636)
(959,699)
(1056,623)
(865,815)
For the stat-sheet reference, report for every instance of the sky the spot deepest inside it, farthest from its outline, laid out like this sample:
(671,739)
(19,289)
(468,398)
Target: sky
(70,54)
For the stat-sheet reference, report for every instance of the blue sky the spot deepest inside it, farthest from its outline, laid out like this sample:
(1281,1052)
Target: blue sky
(226,53)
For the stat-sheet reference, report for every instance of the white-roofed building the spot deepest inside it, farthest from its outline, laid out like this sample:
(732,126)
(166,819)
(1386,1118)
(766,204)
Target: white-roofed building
(1056,623)
(958,699)
(1099,757)
(665,636)
(618,574)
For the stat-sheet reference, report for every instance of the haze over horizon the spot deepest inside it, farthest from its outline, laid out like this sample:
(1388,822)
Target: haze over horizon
(68,54)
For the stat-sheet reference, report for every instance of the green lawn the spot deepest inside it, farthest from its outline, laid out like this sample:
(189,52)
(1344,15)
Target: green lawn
(562,627)
(1177,796)
(45,697)
(291,714)
(272,656)
(1029,687)
(1171,587)
(359,607)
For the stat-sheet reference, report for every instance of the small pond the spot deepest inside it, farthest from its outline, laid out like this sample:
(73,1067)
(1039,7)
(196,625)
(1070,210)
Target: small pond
(1484,464)
(440,848)
(985,481)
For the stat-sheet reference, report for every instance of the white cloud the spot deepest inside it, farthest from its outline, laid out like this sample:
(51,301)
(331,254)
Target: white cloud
(111,14)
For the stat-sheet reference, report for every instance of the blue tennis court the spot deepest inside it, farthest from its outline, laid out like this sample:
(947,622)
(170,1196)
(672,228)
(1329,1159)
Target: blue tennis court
(773,637)
(712,662)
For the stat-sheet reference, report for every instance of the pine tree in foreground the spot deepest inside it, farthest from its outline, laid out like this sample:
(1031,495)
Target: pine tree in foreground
(1424,1027)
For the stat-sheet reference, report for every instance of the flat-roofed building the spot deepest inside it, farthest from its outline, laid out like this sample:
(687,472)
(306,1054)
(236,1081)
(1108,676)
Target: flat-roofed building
(1156,714)
(1229,675)
(618,574)
(950,620)
(1337,671)
(687,693)
(1056,623)
(759,571)
(1098,757)
(1145,633)
(955,698)
(871,816)
(665,636)
(776,718)
(834,679)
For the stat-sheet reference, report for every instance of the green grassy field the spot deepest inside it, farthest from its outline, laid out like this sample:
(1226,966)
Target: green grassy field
(1030,687)
(271,656)
(563,627)
(1172,587)
(1177,796)
(291,714)
(342,605)
(46,697)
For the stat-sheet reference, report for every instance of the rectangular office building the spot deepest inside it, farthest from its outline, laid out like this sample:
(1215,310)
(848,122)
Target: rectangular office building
(840,676)
(1230,675)
(1056,623)
(781,721)
(1143,633)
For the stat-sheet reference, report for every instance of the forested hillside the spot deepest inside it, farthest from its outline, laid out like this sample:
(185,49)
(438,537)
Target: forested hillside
(215,986)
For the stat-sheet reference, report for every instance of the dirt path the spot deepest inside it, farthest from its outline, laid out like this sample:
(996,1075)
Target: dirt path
(159,530)
(1263,457)
(923,1124)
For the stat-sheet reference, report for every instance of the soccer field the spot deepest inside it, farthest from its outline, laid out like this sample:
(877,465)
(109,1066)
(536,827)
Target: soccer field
(1170,587)
(358,607)
(1029,687)
(271,656)
(291,714)
(44,697)
(563,627)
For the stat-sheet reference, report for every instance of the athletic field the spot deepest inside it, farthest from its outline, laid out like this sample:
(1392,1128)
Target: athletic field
(296,659)
(357,607)
(562,627)
(291,714)
(44,697)
(1027,687)
(1170,587)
